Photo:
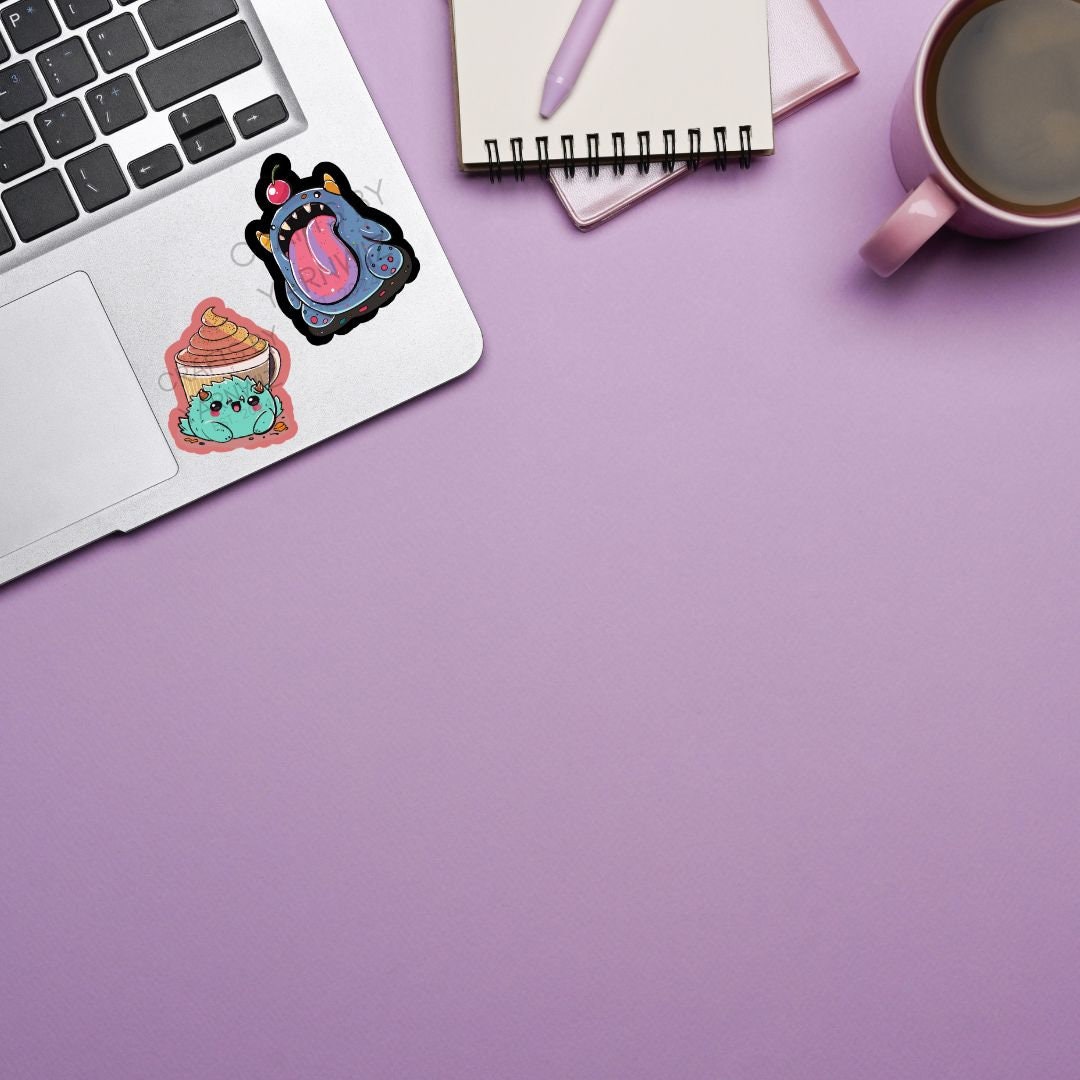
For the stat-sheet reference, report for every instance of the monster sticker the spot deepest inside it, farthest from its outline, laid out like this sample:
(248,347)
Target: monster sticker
(336,262)
(229,378)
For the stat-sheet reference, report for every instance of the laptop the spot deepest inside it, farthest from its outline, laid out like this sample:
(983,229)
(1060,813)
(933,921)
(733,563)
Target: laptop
(211,258)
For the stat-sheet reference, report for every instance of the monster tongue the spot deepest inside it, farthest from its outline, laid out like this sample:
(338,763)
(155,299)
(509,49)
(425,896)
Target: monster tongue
(325,268)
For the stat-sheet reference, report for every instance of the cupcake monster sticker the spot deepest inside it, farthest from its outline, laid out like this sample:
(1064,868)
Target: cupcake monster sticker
(229,379)
(336,262)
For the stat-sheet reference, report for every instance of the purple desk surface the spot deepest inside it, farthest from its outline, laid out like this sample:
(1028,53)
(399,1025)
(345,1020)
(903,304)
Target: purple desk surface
(689,692)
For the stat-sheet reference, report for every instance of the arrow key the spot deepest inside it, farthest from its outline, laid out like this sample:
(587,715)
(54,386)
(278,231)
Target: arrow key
(196,115)
(208,141)
(156,166)
(261,117)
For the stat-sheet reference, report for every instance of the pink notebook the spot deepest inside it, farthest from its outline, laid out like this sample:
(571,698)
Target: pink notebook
(808,60)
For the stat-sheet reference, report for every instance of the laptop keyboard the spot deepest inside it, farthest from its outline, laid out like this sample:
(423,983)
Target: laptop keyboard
(74,74)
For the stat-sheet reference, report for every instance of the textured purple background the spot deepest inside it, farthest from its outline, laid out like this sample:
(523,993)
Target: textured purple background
(689,692)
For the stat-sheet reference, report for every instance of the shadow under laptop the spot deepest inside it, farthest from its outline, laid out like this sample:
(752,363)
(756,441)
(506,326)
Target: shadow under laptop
(274,475)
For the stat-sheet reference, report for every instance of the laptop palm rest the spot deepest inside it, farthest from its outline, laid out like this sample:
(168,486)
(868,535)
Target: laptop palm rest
(77,435)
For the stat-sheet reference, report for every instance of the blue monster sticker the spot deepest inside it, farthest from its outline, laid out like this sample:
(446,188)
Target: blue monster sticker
(336,262)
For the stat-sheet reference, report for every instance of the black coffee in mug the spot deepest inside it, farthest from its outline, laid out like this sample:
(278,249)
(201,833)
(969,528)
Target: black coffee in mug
(1003,103)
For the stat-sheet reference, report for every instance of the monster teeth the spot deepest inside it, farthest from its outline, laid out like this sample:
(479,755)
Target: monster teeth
(286,227)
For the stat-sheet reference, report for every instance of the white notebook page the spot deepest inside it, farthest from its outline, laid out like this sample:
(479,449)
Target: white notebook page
(659,65)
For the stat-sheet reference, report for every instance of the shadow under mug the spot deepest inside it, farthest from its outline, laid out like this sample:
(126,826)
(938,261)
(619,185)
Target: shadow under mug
(937,197)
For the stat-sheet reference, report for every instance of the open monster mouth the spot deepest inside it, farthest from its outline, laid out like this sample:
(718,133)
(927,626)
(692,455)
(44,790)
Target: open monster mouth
(323,265)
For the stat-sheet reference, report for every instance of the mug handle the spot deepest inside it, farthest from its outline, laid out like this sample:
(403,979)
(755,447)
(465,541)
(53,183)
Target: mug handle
(275,365)
(926,210)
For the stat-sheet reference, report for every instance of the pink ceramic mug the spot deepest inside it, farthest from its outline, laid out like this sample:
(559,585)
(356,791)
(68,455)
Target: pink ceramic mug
(937,197)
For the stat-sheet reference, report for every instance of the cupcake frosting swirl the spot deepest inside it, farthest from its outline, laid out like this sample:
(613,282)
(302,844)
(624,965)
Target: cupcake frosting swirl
(221,341)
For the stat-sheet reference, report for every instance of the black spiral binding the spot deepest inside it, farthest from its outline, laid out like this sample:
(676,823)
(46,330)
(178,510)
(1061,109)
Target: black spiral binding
(494,164)
(694,160)
(697,153)
(669,151)
(618,143)
(746,149)
(720,134)
(644,155)
(542,155)
(568,155)
(594,155)
(517,149)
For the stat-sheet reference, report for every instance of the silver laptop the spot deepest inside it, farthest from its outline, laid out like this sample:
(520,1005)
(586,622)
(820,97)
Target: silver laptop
(211,258)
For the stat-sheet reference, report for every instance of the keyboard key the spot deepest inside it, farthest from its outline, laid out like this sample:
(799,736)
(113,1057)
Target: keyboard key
(19,90)
(118,43)
(199,114)
(170,21)
(4,51)
(97,179)
(156,166)
(64,129)
(66,67)
(199,65)
(39,205)
(19,153)
(116,104)
(202,129)
(261,117)
(209,142)
(78,13)
(30,23)
(7,241)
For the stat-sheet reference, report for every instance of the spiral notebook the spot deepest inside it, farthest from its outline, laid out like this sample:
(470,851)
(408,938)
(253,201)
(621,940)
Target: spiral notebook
(809,58)
(668,81)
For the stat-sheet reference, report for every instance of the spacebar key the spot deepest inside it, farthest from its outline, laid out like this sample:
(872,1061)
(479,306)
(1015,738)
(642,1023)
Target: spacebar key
(198,66)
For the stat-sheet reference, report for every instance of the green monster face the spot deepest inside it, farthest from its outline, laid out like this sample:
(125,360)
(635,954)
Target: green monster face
(233,409)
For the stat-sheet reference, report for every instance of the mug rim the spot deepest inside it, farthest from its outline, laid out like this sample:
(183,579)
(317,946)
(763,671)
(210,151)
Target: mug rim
(942,172)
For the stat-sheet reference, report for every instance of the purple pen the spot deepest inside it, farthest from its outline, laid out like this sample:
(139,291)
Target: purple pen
(572,54)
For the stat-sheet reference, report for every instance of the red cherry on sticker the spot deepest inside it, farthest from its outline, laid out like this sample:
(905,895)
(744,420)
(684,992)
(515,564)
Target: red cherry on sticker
(277,194)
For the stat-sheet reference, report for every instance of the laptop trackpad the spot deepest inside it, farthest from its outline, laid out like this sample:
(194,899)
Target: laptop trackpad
(77,434)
